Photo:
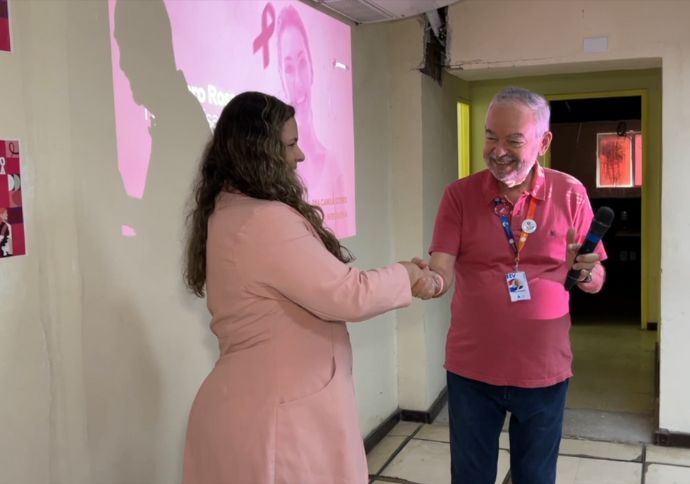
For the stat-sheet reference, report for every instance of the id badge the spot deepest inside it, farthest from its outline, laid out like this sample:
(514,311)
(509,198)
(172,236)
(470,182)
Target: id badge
(518,289)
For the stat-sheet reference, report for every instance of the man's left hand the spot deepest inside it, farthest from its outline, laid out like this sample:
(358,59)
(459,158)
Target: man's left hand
(585,263)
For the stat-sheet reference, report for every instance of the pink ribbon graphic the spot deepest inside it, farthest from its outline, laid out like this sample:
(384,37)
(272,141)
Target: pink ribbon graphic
(268,17)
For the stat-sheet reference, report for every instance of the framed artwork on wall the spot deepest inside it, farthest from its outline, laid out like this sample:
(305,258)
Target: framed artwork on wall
(614,161)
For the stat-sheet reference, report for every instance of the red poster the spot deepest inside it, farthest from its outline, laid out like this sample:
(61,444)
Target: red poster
(614,161)
(12,241)
(5,43)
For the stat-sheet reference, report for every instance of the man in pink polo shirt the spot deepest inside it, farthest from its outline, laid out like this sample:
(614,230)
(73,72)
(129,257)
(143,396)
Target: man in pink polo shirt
(507,237)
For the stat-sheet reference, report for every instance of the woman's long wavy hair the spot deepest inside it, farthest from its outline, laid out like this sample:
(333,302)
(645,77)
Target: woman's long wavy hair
(246,155)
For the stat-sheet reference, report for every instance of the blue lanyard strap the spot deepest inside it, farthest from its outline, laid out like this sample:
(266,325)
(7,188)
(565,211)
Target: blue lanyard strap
(507,229)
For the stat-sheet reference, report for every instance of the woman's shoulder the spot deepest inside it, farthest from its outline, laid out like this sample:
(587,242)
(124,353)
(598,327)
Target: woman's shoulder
(276,212)
(240,201)
(254,212)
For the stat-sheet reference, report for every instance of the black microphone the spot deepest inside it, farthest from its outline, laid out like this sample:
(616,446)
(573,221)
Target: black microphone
(600,224)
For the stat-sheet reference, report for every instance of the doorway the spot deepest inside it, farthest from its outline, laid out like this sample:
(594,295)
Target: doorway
(601,141)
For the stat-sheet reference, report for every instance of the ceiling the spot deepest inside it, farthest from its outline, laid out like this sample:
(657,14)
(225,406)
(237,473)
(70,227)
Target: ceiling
(373,11)
(480,71)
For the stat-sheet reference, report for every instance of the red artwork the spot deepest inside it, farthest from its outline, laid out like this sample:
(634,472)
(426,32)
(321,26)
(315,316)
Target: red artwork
(12,241)
(638,159)
(5,42)
(614,161)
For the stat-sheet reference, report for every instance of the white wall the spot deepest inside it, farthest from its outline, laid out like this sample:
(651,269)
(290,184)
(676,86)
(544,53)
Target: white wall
(406,192)
(423,158)
(41,410)
(440,168)
(538,37)
(375,342)
(24,364)
(406,137)
(146,344)
(102,350)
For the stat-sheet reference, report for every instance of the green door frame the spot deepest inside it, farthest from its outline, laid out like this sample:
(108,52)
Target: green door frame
(464,111)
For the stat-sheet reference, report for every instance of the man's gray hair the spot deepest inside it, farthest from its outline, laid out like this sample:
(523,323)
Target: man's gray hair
(536,102)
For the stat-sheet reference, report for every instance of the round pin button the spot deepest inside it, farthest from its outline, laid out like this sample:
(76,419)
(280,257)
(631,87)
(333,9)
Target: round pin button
(529,225)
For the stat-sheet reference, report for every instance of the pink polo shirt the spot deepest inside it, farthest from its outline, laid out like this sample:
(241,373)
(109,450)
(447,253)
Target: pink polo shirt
(491,339)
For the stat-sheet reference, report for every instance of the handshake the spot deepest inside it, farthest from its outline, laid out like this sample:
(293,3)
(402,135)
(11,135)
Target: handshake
(424,282)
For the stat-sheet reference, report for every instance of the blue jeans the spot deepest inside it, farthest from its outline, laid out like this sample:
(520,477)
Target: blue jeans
(477,411)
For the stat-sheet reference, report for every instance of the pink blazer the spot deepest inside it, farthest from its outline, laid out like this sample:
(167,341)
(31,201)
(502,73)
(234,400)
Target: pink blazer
(279,406)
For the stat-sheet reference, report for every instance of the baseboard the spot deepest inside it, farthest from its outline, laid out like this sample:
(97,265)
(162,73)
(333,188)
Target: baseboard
(663,436)
(657,388)
(381,430)
(428,416)
(671,439)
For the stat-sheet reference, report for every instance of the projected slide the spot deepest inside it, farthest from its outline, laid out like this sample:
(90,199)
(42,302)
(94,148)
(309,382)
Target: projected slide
(284,48)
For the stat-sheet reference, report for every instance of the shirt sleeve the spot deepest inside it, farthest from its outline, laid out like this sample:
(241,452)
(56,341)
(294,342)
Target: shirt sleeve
(297,265)
(583,222)
(448,226)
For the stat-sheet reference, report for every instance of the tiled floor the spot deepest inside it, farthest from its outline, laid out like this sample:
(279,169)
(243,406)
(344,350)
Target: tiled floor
(611,395)
(419,454)
(601,352)
(608,422)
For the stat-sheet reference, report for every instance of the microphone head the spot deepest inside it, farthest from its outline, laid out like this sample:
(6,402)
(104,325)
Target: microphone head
(602,221)
(604,216)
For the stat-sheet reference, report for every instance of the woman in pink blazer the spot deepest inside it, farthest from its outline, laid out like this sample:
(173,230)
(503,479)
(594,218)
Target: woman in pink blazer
(279,406)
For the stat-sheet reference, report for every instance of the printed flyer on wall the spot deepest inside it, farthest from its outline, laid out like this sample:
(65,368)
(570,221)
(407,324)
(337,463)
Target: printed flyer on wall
(12,241)
(5,42)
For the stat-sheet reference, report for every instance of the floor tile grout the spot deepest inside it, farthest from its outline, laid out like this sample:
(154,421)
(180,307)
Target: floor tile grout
(641,459)
(395,480)
(636,460)
(395,454)
(668,464)
(611,431)
(433,440)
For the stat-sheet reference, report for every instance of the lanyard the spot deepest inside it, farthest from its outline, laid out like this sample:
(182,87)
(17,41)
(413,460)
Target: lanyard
(508,231)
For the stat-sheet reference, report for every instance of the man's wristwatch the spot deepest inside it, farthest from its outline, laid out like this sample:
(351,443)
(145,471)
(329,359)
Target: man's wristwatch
(439,283)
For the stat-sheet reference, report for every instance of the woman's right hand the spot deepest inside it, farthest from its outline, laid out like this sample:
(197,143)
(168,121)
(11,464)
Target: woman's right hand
(422,282)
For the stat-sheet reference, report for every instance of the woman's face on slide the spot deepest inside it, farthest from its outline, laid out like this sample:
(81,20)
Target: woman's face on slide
(296,70)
